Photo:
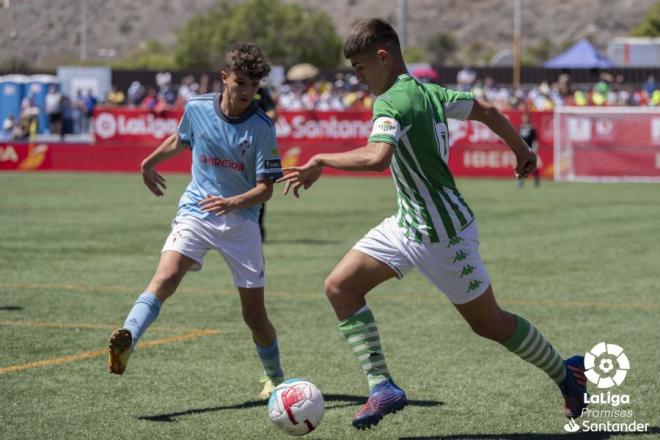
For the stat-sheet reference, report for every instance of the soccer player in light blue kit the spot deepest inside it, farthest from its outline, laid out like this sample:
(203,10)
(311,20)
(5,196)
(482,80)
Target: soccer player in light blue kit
(235,162)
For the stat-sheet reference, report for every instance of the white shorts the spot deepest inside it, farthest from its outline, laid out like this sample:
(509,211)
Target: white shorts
(236,238)
(453,266)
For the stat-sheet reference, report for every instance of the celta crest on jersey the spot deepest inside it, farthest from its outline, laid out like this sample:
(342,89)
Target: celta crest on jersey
(244,143)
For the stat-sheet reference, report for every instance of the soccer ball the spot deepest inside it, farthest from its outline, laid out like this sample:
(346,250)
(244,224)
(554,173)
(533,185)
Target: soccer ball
(296,406)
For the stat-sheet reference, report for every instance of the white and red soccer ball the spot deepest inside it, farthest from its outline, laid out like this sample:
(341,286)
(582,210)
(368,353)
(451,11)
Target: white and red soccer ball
(296,406)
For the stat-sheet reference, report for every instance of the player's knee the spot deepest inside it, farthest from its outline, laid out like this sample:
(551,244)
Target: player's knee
(256,320)
(333,288)
(484,329)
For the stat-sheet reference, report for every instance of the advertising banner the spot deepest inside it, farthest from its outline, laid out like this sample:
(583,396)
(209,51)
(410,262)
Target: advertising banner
(608,144)
(83,157)
(475,150)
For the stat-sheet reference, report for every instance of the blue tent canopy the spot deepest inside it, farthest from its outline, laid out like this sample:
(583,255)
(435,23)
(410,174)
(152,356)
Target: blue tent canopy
(580,56)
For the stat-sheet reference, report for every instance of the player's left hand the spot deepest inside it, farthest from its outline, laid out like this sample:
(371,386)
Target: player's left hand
(525,163)
(216,205)
(303,176)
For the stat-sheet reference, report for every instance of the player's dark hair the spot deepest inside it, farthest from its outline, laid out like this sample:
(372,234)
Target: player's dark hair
(369,34)
(247,58)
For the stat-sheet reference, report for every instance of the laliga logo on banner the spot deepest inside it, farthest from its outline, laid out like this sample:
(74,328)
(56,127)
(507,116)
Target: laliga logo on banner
(599,365)
(108,125)
(105,125)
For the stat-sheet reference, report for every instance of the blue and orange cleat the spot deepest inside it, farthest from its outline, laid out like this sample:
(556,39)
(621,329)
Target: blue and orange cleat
(120,347)
(384,398)
(574,387)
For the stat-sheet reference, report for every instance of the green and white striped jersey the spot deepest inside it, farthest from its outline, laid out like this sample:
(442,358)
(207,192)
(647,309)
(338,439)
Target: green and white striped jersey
(413,118)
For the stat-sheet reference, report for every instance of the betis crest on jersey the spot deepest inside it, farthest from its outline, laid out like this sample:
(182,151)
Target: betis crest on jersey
(386,126)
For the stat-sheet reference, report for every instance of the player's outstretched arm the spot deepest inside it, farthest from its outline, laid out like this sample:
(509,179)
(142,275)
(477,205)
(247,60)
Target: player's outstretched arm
(217,205)
(375,156)
(152,179)
(501,126)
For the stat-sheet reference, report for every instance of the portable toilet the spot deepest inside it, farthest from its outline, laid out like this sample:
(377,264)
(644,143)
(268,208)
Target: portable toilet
(11,93)
(38,85)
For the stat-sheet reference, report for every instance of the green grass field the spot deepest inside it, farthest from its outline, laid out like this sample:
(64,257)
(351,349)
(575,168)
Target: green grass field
(580,261)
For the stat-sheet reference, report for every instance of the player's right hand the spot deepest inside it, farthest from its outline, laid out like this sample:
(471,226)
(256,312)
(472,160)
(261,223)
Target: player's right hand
(154,181)
(525,163)
(303,176)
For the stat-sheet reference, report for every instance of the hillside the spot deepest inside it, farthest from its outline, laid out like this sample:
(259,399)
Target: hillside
(46,32)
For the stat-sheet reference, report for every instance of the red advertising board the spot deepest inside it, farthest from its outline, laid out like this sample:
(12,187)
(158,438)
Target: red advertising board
(616,162)
(609,144)
(476,151)
(344,129)
(82,157)
(602,143)
(123,126)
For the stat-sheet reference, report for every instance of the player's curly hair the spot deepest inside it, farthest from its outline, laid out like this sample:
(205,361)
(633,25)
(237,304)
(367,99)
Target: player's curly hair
(369,34)
(247,58)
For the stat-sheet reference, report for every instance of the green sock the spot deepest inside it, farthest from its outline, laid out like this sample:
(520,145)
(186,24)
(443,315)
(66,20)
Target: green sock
(362,335)
(528,343)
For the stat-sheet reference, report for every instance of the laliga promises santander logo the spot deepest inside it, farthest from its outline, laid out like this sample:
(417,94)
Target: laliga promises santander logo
(606,365)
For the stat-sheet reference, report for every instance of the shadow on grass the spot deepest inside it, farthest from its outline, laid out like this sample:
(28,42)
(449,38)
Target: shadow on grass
(10,308)
(169,417)
(299,241)
(539,436)
(332,401)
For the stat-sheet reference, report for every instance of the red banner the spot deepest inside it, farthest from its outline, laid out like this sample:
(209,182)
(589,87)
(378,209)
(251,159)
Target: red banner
(83,157)
(614,143)
(609,144)
(123,126)
(476,151)
(343,129)
(617,162)
(116,126)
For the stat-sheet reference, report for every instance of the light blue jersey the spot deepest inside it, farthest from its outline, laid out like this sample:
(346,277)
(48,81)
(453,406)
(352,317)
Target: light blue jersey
(229,154)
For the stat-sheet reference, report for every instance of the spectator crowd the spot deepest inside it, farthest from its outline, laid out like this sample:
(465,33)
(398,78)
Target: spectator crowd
(341,92)
(64,115)
(344,92)
(608,91)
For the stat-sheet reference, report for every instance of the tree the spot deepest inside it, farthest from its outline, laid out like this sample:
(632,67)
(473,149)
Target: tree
(151,56)
(479,53)
(537,53)
(15,64)
(441,47)
(650,26)
(414,54)
(287,33)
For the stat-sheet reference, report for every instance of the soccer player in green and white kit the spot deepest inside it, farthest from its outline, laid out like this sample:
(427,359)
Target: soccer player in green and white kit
(434,230)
